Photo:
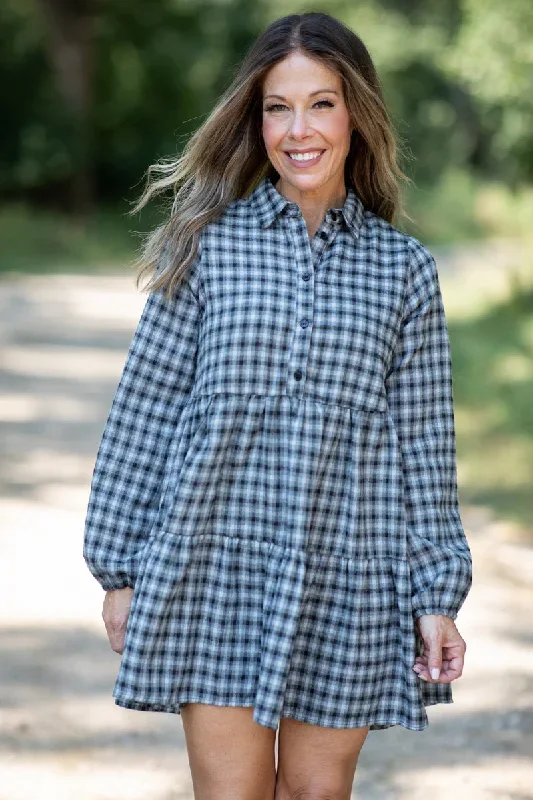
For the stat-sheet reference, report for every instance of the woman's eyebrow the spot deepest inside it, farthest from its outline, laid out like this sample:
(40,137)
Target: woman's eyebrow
(318,91)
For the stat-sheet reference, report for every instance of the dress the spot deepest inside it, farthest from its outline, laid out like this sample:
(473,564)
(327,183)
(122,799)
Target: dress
(277,479)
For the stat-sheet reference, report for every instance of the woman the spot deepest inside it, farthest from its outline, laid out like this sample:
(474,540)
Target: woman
(273,510)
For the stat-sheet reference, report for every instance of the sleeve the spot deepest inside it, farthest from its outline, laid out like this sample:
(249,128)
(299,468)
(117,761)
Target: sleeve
(420,398)
(130,464)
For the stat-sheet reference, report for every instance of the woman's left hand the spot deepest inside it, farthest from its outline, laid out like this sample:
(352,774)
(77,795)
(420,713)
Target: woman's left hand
(444,649)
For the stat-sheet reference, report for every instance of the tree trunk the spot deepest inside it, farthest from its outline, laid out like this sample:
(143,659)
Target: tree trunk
(70,50)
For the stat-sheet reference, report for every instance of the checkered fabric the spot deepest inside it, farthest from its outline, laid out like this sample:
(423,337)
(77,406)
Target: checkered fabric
(276,477)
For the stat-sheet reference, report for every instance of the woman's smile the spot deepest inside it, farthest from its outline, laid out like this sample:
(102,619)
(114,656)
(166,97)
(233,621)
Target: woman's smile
(304,158)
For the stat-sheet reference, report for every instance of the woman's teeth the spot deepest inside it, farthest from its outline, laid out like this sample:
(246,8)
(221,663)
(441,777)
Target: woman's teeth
(305,156)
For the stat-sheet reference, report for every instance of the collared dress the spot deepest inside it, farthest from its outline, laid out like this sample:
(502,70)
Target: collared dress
(276,478)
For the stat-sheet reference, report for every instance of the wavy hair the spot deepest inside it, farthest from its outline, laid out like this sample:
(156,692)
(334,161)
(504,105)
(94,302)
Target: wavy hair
(225,158)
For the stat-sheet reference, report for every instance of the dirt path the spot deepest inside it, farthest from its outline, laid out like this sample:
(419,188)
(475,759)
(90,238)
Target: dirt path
(64,340)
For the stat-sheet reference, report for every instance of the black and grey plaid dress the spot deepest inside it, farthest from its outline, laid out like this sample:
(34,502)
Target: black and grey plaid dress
(277,479)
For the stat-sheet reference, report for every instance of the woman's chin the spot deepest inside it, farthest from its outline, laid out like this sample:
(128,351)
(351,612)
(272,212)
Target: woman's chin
(306,183)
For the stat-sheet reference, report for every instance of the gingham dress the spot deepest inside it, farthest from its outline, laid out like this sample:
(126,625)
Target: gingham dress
(277,479)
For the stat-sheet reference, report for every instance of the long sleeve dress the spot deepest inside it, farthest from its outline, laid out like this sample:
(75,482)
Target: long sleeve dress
(276,478)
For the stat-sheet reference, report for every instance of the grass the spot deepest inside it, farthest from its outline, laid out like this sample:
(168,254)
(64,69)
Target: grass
(492,354)
(46,241)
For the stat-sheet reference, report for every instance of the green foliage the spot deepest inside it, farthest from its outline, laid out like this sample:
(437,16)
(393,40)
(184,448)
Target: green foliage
(158,66)
(493,385)
(493,58)
(445,210)
(44,241)
(33,150)
(457,76)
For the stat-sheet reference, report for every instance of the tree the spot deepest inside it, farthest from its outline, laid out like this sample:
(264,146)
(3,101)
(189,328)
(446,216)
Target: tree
(70,46)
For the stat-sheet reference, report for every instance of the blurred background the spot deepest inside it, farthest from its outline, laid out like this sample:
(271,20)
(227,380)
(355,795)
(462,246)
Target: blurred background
(92,92)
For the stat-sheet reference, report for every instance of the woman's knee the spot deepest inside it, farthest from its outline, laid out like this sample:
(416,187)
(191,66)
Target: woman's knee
(315,762)
(312,789)
(231,757)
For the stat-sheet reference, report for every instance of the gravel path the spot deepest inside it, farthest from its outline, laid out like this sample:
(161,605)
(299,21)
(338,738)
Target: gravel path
(63,341)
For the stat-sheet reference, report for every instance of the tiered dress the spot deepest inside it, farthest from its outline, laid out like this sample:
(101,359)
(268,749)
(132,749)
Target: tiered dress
(276,477)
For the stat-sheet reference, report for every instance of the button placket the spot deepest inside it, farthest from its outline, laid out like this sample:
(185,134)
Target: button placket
(304,308)
(323,237)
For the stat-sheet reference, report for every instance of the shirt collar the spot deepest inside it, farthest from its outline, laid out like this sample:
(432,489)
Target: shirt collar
(268,204)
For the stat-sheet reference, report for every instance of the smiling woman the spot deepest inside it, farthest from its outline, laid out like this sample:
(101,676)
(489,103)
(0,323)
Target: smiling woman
(273,512)
(307,132)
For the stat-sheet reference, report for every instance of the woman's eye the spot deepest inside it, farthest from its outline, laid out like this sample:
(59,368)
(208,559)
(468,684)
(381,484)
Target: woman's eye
(275,106)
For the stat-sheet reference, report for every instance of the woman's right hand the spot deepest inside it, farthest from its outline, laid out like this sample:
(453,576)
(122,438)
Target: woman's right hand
(115,614)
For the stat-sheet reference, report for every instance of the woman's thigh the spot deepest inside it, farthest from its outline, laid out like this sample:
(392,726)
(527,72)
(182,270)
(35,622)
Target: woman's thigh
(315,762)
(231,757)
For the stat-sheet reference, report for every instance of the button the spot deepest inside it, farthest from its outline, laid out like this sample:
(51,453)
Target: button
(298,375)
(304,323)
(306,276)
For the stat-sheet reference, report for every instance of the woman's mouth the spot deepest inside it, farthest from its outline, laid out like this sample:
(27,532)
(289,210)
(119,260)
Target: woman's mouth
(302,160)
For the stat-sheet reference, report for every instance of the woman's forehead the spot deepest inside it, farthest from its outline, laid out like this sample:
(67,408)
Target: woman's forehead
(299,72)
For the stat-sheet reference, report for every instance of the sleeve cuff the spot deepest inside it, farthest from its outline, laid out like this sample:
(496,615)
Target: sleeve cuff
(111,585)
(419,612)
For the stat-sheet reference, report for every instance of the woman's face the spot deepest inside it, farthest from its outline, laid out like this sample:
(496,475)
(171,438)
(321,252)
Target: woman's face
(304,112)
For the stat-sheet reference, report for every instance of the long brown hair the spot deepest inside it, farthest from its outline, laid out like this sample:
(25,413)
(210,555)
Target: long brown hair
(225,159)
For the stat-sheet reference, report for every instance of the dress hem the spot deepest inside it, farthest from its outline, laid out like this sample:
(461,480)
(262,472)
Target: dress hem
(378,723)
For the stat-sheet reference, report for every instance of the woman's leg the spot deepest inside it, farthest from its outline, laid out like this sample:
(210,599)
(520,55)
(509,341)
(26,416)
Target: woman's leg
(231,757)
(314,762)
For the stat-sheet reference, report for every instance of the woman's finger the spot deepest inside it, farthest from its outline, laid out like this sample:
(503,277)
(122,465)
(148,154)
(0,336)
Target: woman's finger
(451,669)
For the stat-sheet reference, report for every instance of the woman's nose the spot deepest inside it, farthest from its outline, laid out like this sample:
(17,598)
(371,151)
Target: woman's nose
(299,125)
